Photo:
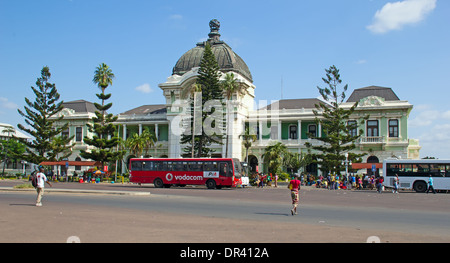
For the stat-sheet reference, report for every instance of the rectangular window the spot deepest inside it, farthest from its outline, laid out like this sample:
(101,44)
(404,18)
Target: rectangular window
(79,134)
(441,170)
(353,131)
(393,128)
(65,133)
(158,166)
(312,130)
(274,132)
(168,166)
(148,166)
(179,166)
(136,166)
(372,129)
(210,166)
(225,169)
(423,168)
(293,132)
(195,166)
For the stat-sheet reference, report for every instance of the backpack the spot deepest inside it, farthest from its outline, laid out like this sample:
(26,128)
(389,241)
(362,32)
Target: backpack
(33,178)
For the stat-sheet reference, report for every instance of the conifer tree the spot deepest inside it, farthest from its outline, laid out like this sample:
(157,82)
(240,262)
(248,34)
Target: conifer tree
(41,116)
(211,89)
(105,137)
(339,136)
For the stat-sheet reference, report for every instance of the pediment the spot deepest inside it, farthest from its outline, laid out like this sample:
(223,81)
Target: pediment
(371,101)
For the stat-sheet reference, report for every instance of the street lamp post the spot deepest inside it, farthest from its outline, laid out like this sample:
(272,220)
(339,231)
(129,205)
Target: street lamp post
(346,163)
(24,164)
(5,158)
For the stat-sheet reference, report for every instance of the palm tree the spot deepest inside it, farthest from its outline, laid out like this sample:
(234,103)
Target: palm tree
(295,161)
(138,144)
(230,86)
(273,156)
(135,144)
(103,77)
(247,140)
(148,140)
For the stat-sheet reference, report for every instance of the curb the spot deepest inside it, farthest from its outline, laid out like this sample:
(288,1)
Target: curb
(81,191)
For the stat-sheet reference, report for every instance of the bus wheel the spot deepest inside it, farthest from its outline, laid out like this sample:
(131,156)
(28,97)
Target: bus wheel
(158,183)
(211,184)
(420,186)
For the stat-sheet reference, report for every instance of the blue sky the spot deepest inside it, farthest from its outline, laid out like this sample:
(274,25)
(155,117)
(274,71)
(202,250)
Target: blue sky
(399,44)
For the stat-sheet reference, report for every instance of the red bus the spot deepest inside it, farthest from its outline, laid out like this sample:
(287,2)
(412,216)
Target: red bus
(164,172)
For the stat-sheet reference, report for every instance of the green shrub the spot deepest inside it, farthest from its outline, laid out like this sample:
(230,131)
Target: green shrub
(283,177)
(23,186)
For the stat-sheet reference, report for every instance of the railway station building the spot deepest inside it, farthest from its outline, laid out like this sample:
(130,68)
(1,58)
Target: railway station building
(288,120)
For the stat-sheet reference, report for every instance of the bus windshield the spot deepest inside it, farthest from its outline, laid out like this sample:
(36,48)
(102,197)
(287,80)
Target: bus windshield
(237,168)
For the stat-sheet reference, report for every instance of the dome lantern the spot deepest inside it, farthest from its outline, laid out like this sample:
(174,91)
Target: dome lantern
(214,35)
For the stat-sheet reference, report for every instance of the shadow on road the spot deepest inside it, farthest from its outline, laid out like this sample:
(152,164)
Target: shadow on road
(273,214)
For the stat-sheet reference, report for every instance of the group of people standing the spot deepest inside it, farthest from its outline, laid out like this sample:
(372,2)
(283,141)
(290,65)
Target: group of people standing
(265,179)
(334,182)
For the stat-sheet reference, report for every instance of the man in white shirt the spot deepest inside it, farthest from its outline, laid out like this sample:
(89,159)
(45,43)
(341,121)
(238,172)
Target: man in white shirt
(41,179)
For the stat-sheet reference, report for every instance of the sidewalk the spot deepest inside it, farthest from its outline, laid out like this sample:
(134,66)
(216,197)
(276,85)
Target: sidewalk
(72,188)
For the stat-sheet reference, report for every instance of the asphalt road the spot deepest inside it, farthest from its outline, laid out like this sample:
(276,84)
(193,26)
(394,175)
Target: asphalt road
(236,215)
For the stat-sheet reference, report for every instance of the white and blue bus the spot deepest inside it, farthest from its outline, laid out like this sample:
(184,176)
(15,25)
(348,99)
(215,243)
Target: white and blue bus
(413,174)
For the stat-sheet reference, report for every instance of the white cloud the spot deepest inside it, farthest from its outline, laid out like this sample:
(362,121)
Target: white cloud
(396,15)
(6,104)
(176,17)
(144,88)
(176,21)
(431,127)
(422,107)
(424,118)
(446,115)
(435,141)
(361,61)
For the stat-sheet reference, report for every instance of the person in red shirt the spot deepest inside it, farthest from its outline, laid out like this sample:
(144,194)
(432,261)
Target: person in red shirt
(294,186)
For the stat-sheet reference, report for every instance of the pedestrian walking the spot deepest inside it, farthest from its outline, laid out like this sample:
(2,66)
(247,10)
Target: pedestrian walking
(333,182)
(276,180)
(360,186)
(261,183)
(257,179)
(41,179)
(294,186)
(353,181)
(372,182)
(379,182)
(396,184)
(430,185)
